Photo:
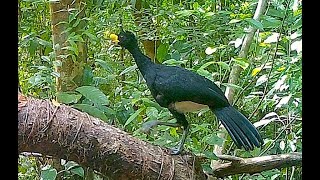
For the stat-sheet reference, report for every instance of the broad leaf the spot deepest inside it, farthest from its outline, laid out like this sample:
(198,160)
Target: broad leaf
(129,69)
(210,155)
(48,173)
(162,51)
(103,64)
(134,115)
(213,139)
(93,111)
(255,23)
(93,94)
(67,98)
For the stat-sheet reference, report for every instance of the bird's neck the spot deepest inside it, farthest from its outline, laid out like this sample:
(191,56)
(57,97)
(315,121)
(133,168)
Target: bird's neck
(143,62)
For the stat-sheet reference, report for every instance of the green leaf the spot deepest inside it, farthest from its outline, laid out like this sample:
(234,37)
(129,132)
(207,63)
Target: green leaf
(70,164)
(210,155)
(74,168)
(87,77)
(185,13)
(93,111)
(162,51)
(67,98)
(48,173)
(224,65)
(78,170)
(276,13)
(91,36)
(73,49)
(176,55)
(241,62)
(93,94)
(206,168)
(255,23)
(103,64)
(213,139)
(270,22)
(234,21)
(133,116)
(297,24)
(129,69)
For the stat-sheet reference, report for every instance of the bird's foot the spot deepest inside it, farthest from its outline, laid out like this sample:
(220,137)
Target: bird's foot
(148,125)
(174,151)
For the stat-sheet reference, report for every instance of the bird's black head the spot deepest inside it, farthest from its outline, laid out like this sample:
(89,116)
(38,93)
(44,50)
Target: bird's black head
(125,39)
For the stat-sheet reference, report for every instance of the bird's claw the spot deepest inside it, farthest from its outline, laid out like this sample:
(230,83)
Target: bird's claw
(175,151)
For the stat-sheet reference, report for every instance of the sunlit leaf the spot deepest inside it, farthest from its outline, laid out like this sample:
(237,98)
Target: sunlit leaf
(282,145)
(283,101)
(297,46)
(129,69)
(255,71)
(273,38)
(234,21)
(210,50)
(262,79)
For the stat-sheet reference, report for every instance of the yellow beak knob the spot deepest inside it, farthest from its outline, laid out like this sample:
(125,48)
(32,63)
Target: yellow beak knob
(114,38)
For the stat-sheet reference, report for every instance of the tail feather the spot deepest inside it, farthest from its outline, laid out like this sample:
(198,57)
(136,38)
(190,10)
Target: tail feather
(241,130)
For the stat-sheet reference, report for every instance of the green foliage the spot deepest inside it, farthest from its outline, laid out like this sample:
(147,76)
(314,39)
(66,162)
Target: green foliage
(202,36)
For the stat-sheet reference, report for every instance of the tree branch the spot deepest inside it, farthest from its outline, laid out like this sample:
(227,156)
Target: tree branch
(65,133)
(256,164)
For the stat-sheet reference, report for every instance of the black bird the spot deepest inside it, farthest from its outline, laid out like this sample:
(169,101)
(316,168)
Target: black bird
(182,91)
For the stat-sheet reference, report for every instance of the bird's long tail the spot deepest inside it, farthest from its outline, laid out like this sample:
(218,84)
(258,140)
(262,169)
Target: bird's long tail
(241,130)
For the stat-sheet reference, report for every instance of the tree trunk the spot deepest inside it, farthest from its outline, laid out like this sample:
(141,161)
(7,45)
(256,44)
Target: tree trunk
(70,63)
(66,133)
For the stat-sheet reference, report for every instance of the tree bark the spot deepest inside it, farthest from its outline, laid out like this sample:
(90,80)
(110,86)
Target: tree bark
(70,70)
(66,133)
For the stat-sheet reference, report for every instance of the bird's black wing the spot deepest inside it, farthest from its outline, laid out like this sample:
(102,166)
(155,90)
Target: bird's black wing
(175,84)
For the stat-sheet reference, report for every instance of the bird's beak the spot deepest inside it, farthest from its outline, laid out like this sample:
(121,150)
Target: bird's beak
(114,38)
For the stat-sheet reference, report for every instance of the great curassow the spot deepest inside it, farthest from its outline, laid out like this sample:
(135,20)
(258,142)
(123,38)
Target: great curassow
(181,91)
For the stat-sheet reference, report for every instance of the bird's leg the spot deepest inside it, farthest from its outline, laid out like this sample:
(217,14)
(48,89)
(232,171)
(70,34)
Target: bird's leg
(150,124)
(178,150)
(181,120)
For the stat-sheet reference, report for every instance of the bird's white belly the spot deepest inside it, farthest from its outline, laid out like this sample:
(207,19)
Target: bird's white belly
(188,106)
